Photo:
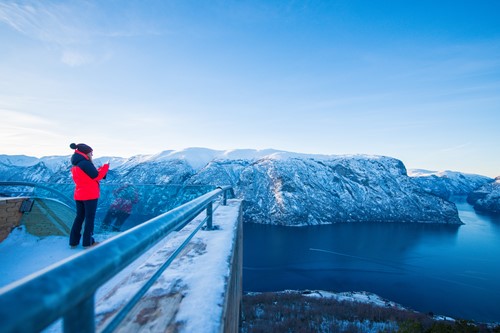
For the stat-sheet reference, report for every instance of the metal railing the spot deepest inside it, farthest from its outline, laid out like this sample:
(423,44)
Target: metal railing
(67,289)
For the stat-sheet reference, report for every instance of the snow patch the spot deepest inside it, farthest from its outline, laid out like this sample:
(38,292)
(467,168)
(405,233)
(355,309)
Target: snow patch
(354,296)
(35,253)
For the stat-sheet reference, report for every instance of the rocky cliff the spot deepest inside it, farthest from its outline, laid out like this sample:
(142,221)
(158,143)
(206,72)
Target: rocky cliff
(487,197)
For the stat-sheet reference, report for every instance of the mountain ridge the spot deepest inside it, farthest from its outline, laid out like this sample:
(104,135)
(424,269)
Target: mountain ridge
(277,187)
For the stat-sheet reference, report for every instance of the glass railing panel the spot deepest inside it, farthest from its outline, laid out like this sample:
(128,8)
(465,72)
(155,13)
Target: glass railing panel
(121,206)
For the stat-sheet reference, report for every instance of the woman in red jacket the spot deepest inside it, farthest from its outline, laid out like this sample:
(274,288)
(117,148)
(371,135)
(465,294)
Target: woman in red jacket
(86,178)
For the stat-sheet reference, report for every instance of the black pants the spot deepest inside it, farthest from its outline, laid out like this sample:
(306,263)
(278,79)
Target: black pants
(85,211)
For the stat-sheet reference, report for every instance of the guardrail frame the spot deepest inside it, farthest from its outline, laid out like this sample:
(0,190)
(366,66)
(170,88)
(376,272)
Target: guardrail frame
(67,289)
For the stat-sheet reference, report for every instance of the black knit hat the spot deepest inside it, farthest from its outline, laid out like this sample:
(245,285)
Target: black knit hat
(81,147)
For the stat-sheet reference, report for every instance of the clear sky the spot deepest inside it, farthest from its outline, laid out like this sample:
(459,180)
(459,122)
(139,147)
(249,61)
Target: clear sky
(415,80)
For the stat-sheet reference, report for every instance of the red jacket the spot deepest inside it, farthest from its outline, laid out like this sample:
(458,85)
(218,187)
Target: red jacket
(86,176)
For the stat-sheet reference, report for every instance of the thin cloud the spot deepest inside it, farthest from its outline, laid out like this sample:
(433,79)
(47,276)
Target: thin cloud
(75,58)
(13,118)
(451,62)
(25,126)
(75,28)
(52,23)
(455,148)
(74,22)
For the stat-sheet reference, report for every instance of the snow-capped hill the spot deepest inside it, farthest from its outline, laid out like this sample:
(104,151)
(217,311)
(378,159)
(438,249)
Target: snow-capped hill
(421,172)
(18,160)
(200,157)
(487,197)
(114,162)
(454,175)
(126,163)
(54,162)
(246,154)
(19,169)
(447,184)
(195,157)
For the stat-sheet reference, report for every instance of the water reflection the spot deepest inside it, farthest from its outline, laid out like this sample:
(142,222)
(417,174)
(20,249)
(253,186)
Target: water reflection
(362,246)
(451,270)
(493,218)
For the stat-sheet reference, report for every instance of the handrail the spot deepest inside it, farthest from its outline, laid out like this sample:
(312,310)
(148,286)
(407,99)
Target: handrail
(66,289)
(67,200)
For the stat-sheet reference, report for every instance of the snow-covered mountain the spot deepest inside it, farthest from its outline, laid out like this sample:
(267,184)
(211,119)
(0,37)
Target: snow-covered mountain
(487,197)
(447,184)
(295,190)
(277,187)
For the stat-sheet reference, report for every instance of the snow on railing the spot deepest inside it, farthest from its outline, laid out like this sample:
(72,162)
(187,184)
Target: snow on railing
(67,289)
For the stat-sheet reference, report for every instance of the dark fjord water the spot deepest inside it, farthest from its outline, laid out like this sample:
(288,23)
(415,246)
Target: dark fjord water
(452,271)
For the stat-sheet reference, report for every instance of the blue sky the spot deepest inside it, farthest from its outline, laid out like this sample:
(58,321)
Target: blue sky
(415,80)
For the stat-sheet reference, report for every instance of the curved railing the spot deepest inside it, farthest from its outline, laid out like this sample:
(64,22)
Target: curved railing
(67,289)
(59,195)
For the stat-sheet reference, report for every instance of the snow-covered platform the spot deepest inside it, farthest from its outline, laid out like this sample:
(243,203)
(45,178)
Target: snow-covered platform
(199,292)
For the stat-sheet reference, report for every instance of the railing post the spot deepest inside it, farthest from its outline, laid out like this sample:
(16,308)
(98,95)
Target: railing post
(209,215)
(81,318)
